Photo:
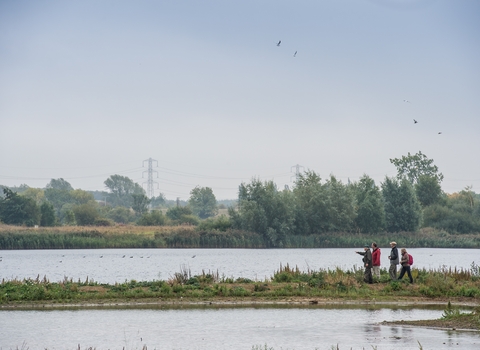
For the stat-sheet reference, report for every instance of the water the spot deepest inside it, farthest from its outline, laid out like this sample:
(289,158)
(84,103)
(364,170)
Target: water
(120,265)
(226,328)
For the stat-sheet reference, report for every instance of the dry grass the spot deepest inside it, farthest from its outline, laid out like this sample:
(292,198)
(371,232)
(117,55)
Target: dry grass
(108,230)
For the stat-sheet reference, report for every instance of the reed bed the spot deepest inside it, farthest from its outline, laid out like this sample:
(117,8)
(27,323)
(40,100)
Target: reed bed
(125,236)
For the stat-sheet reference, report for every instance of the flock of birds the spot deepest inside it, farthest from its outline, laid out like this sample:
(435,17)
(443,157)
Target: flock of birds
(406,101)
(295,53)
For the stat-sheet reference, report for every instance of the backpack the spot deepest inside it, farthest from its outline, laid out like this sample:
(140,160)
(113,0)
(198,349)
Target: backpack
(410,260)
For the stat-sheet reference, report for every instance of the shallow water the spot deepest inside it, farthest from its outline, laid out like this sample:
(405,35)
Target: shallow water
(119,265)
(227,328)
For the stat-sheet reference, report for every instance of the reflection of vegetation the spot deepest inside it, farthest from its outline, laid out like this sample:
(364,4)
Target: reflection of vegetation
(286,282)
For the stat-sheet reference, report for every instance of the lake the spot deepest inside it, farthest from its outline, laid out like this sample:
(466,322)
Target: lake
(313,327)
(120,265)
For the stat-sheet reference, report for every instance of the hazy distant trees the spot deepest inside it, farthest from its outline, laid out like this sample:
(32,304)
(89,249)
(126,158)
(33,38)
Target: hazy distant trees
(47,214)
(121,190)
(203,202)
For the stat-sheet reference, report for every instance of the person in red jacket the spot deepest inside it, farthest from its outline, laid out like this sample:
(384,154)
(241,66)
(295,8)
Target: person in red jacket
(376,260)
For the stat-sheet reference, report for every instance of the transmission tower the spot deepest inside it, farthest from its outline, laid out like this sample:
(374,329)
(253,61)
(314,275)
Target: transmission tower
(297,171)
(150,182)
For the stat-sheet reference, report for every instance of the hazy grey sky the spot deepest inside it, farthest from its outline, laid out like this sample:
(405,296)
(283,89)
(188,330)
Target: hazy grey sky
(89,89)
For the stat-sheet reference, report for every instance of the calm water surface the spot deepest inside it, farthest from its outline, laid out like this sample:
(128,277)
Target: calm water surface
(226,328)
(119,265)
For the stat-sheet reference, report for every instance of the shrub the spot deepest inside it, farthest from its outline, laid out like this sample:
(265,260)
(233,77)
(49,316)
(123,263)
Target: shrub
(103,222)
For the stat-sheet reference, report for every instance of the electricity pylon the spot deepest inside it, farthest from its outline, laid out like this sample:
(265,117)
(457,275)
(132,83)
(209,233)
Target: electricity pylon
(150,182)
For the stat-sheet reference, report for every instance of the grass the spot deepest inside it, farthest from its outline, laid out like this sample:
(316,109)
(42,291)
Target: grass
(287,284)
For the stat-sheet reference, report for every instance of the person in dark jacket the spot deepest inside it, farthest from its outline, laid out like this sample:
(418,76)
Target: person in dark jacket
(394,260)
(405,265)
(367,263)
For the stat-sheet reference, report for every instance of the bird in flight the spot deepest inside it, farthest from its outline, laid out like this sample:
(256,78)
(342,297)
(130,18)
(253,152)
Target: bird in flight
(439,132)
(414,121)
(295,54)
(407,101)
(279,42)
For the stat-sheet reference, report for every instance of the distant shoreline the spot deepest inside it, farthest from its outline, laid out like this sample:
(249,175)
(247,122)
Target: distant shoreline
(116,237)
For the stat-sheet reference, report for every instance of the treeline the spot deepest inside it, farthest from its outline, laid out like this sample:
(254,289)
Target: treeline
(411,201)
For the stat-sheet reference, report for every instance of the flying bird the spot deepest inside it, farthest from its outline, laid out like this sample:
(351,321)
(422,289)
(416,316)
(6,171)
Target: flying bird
(414,121)
(279,42)
(193,256)
(407,101)
(439,132)
(295,54)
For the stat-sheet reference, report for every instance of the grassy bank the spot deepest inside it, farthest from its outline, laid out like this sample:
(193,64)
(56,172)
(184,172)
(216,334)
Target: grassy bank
(76,237)
(286,284)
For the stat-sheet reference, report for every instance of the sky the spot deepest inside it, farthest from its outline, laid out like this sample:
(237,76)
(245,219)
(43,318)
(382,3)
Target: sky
(90,89)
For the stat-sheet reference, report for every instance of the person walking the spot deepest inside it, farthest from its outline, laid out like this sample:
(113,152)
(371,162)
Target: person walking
(376,260)
(394,259)
(404,261)
(367,263)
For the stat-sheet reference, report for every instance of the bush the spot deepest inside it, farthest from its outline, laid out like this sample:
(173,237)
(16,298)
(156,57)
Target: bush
(103,222)
(154,218)
(221,223)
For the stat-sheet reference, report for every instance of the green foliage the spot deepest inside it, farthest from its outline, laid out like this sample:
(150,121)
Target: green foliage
(323,208)
(59,184)
(456,215)
(203,202)
(402,208)
(121,189)
(103,222)
(428,190)
(121,215)
(18,210)
(221,223)
(47,215)
(370,210)
(412,167)
(86,214)
(140,204)
(265,210)
(153,218)
(182,215)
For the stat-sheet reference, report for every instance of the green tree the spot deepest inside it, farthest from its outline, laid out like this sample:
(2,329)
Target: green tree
(159,201)
(86,214)
(59,184)
(203,202)
(328,207)
(121,189)
(266,210)
(428,190)
(37,194)
(411,167)
(370,210)
(140,204)
(47,212)
(402,208)
(18,210)
(121,215)
(153,218)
